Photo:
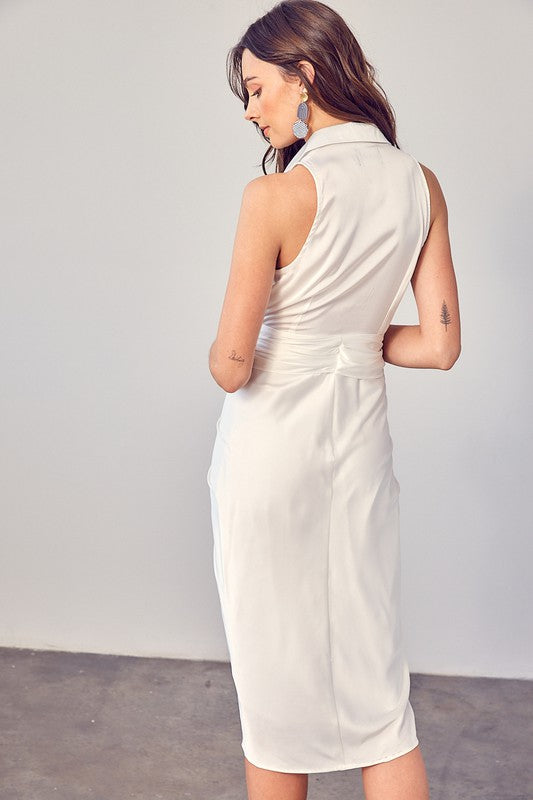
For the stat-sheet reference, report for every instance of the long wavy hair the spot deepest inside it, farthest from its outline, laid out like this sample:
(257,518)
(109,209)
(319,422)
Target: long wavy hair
(344,83)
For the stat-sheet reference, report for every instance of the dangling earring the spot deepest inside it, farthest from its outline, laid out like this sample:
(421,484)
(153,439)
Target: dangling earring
(300,128)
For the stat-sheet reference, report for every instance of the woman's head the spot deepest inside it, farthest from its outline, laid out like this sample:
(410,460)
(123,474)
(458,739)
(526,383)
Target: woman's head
(273,97)
(297,45)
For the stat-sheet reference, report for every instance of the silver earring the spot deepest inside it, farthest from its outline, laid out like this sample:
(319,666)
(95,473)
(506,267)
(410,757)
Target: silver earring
(300,128)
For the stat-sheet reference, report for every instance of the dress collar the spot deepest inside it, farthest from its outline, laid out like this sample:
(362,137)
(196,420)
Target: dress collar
(340,132)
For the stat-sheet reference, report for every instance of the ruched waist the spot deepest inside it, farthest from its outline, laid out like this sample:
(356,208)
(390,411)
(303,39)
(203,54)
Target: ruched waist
(358,355)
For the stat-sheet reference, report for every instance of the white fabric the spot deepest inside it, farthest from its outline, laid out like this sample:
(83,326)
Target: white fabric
(304,500)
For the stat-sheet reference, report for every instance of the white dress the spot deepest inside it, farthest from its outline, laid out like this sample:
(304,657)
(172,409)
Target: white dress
(304,500)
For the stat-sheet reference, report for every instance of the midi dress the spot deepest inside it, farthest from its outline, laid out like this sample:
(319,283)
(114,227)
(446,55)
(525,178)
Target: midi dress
(304,499)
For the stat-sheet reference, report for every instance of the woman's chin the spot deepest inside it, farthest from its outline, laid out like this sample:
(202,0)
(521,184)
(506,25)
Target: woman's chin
(279,142)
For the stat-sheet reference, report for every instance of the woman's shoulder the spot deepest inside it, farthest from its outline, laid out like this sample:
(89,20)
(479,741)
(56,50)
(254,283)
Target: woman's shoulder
(436,195)
(287,203)
(281,181)
(286,190)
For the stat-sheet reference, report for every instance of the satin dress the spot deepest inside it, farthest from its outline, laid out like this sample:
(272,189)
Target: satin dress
(304,499)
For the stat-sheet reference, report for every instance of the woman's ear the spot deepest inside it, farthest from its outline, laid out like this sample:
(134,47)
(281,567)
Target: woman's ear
(309,70)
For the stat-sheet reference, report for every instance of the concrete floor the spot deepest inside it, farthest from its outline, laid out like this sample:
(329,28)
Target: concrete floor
(78,725)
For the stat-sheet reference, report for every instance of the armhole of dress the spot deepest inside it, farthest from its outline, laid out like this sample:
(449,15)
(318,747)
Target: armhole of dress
(427,197)
(316,220)
(409,274)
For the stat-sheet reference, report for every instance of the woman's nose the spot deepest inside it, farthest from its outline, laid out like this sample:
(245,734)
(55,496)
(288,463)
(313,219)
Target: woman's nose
(248,112)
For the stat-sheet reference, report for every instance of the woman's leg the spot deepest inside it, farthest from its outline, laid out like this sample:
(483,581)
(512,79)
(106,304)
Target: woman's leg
(403,778)
(264,784)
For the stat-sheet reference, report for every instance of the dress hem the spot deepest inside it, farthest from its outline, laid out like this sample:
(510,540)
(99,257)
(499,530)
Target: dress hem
(331,768)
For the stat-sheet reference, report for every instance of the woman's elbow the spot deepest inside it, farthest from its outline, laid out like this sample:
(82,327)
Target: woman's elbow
(230,386)
(227,379)
(448,358)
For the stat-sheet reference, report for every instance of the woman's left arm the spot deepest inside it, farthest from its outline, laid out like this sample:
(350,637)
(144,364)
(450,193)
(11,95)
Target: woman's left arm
(255,252)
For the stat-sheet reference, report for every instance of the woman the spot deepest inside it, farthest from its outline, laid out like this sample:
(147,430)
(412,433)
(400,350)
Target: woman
(304,499)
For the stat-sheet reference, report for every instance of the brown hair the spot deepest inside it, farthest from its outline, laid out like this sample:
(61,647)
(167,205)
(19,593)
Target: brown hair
(344,83)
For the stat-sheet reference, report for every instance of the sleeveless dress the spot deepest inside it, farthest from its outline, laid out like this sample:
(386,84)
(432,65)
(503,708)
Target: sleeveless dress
(304,500)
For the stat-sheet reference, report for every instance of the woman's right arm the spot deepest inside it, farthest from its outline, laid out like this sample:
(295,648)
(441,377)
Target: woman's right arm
(436,341)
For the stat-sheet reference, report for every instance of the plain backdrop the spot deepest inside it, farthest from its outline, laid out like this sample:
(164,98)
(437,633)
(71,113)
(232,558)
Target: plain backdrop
(122,163)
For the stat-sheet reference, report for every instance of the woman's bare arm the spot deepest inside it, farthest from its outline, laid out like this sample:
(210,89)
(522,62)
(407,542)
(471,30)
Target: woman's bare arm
(275,207)
(436,341)
(255,251)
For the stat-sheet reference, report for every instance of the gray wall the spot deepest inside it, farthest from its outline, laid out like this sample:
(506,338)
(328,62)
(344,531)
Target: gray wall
(123,159)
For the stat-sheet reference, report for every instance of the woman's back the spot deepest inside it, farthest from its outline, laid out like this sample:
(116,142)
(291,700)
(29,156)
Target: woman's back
(304,496)
(372,218)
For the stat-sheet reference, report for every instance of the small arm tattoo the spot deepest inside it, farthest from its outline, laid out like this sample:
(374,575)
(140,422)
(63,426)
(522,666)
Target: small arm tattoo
(445,315)
(235,357)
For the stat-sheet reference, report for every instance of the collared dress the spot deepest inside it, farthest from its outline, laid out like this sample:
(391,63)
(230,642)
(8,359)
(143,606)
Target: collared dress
(304,499)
